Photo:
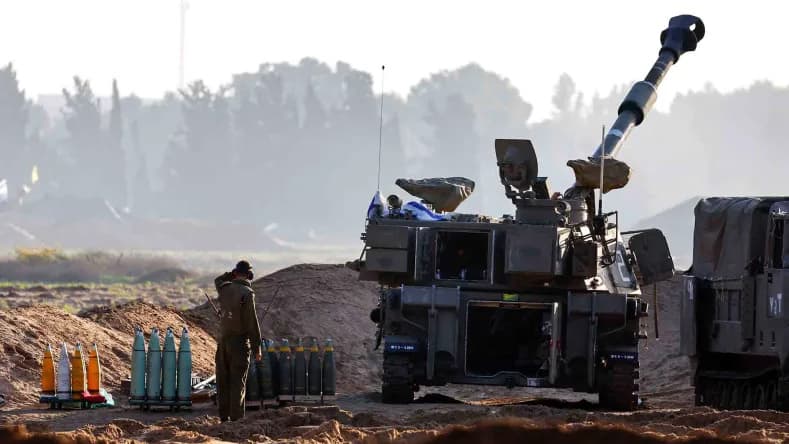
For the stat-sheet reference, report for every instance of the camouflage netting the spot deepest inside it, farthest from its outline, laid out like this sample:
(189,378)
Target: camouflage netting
(587,173)
(443,193)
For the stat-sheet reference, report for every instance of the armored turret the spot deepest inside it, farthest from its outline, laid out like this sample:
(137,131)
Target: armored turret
(517,161)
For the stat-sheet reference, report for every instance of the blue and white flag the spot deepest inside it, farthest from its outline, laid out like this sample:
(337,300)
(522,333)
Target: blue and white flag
(421,212)
(3,191)
(377,207)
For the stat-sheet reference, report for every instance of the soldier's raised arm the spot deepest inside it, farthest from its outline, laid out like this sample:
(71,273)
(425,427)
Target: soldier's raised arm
(223,278)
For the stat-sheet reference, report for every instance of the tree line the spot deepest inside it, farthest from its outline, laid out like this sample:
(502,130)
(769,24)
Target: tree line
(296,145)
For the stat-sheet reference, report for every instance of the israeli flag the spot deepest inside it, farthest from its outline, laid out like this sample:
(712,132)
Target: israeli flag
(420,212)
(3,191)
(377,207)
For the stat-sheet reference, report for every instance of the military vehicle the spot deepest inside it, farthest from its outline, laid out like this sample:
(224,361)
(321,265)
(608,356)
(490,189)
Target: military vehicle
(733,325)
(549,297)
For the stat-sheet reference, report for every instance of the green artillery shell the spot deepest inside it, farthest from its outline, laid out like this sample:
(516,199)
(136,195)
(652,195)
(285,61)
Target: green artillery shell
(184,368)
(137,390)
(154,384)
(168,367)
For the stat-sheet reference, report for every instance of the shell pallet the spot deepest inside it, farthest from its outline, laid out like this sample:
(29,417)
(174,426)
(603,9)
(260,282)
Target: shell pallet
(75,385)
(299,375)
(161,377)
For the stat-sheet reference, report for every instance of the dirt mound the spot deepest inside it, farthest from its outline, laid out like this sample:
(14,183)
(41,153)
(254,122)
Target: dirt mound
(18,434)
(26,331)
(330,424)
(325,301)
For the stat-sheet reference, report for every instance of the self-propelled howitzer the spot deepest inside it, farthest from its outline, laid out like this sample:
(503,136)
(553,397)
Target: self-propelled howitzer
(548,298)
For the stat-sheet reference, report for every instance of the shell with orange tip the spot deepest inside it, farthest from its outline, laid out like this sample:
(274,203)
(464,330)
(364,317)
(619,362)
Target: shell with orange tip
(94,370)
(48,373)
(78,374)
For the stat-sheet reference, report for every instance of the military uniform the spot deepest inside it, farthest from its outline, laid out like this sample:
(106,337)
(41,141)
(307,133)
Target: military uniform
(240,334)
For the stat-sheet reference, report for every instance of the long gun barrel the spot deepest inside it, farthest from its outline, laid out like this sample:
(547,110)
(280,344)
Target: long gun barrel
(682,35)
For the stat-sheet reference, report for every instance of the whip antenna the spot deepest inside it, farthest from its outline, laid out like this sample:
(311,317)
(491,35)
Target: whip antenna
(602,167)
(381,128)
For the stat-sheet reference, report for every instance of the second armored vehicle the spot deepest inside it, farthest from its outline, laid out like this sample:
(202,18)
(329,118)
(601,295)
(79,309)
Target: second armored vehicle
(733,324)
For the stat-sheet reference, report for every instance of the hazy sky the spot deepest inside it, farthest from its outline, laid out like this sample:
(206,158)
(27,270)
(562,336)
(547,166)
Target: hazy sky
(599,43)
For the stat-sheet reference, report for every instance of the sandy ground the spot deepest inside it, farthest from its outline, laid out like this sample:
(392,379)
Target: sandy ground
(327,301)
(361,418)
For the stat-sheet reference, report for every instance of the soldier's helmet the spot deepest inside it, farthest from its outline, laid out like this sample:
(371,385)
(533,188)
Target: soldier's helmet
(243,267)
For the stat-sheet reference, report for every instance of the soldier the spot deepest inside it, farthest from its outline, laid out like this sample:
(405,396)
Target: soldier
(239,335)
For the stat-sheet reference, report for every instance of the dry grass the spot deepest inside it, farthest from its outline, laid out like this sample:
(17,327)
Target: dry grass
(39,255)
(52,265)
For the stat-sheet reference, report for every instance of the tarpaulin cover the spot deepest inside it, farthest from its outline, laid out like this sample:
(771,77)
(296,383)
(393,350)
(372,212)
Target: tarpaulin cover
(616,174)
(443,193)
(729,234)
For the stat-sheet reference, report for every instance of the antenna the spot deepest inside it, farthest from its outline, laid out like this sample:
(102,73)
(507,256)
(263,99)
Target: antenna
(602,168)
(381,128)
(181,57)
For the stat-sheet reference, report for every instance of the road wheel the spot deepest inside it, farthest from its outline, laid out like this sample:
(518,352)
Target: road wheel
(760,397)
(698,394)
(771,395)
(747,396)
(735,395)
(725,395)
(711,393)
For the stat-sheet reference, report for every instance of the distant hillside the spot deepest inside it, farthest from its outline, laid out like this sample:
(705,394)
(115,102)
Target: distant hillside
(677,224)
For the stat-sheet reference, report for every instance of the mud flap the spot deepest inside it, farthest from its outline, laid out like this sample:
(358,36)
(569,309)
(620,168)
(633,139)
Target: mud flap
(687,322)
(651,252)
